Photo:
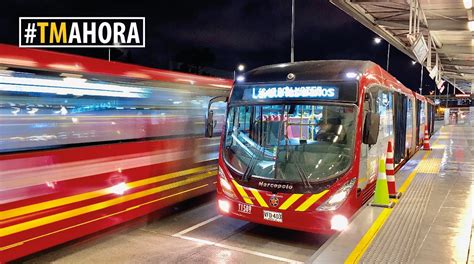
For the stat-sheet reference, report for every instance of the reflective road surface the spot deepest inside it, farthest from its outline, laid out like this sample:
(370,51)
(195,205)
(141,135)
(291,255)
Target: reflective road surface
(190,232)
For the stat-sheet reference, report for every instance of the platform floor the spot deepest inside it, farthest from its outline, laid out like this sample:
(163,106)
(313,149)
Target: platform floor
(433,220)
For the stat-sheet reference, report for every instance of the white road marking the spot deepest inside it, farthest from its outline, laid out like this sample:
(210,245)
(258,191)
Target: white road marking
(187,230)
(243,250)
(210,243)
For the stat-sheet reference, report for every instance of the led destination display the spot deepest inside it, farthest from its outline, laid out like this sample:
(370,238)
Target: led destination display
(299,91)
(293,92)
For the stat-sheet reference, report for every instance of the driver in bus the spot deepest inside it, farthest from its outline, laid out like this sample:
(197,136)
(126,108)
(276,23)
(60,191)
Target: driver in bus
(330,130)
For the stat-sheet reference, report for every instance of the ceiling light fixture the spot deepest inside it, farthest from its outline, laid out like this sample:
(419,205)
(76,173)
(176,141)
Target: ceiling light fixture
(467,4)
(470,25)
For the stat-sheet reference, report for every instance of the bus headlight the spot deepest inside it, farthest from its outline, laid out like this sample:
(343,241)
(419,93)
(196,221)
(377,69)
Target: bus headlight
(339,222)
(336,200)
(226,187)
(224,206)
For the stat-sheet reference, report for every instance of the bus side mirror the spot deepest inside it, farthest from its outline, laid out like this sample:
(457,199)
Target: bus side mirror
(371,128)
(210,124)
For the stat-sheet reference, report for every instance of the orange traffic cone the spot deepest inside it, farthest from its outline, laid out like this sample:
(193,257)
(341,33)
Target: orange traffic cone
(426,140)
(390,171)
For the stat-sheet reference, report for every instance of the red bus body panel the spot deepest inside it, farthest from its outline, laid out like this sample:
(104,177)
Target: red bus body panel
(52,196)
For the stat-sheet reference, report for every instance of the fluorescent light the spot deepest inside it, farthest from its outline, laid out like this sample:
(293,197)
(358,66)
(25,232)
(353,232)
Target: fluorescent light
(240,78)
(74,80)
(69,85)
(377,40)
(222,86)
(467,4)
(18,61)
(185,80)
(139,75)
(66,67)
(470,25)
(33,111)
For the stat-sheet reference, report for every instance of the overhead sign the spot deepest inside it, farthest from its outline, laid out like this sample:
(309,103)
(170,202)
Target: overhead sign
(420,49)
(440,86)
(291,92)
(434,72)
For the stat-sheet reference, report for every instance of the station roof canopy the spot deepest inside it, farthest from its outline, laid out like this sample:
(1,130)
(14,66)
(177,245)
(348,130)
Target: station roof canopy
(443,24)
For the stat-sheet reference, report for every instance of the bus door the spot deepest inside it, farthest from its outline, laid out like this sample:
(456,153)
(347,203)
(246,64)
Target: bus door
(409,128)
(418,134)
(367,168)
(400,126)
(381,102)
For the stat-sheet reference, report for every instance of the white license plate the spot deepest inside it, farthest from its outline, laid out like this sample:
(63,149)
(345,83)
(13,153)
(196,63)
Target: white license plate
(245,208)
(273,216)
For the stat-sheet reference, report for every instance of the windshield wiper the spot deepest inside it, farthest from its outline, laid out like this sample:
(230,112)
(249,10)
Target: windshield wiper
(301,172)
(253,161)
(249,169)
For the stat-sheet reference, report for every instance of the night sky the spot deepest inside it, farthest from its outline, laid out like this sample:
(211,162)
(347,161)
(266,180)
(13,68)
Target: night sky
(252,32)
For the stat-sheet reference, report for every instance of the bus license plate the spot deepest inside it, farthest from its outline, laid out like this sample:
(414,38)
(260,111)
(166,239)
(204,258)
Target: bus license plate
(245,208)
(273,216)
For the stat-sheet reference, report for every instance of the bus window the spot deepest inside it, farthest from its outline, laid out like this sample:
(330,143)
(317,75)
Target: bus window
(385,109)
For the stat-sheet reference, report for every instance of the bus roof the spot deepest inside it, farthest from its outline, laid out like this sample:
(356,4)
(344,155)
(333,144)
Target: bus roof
(322,70)
(15,57)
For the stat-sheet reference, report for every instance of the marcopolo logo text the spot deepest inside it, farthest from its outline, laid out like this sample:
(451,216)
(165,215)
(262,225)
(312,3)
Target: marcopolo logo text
(275,185)
(87,32)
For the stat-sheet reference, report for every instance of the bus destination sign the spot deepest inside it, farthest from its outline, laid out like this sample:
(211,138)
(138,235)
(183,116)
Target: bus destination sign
(291,92)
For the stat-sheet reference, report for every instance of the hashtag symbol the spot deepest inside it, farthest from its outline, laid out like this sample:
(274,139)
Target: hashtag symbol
(30,33)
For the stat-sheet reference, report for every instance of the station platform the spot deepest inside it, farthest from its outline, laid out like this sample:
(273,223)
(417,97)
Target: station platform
(432,221)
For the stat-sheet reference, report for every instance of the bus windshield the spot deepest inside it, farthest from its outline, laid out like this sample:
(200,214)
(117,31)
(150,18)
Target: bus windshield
(290,142)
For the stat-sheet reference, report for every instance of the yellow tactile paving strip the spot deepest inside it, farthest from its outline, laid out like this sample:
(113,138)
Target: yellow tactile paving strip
(429,166)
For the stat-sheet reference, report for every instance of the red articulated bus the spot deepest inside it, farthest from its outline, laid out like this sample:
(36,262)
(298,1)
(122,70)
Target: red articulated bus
(301,141)
(86,144)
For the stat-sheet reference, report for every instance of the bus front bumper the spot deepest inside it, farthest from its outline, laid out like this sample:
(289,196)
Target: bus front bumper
(308,221)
